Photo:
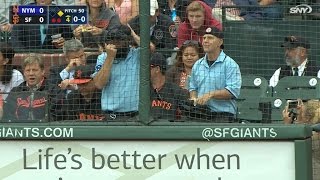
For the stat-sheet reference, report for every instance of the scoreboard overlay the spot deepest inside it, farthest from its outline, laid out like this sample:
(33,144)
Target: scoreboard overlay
(57,15)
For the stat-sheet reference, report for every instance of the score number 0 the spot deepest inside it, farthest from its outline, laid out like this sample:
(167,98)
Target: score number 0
(41,19)
(76,19)
(82,19)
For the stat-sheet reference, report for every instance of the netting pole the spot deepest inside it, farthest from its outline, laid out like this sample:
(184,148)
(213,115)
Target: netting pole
(144,87)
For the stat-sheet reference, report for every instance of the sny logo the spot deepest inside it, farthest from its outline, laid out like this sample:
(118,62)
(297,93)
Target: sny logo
(301,9)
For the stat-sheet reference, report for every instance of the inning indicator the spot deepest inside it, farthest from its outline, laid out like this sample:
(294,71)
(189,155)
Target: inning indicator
(67,15)
(28,15)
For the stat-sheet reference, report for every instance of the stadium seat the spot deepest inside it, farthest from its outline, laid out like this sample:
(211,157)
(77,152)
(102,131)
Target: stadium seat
(254,92)
(293,87)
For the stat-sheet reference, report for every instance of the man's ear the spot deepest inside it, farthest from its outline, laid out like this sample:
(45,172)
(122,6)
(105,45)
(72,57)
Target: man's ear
(303,52)
(221,42)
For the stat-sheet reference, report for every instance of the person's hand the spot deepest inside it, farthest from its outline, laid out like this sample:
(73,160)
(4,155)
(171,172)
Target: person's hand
(77,32)
(58,43)
(111,50)
(202,100)
(65,84)
(300,112)
(152,47)
(94,30)
(6,27)
(285,116)
(194,101)
(72,64)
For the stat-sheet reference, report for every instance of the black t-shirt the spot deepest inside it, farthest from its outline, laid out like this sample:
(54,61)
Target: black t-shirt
(164,102)
(77,108)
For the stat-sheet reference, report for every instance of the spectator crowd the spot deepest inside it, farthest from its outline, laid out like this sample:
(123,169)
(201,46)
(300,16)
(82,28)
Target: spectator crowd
(193,80)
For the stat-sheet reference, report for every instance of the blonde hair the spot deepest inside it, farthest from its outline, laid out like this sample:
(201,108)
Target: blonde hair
(33,58)
(312,111)
(195,6)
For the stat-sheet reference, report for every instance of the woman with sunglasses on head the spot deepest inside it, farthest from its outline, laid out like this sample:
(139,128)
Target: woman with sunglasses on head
(188,54)
(9,77)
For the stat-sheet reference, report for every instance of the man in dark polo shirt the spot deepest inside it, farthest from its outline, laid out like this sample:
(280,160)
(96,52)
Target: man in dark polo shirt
(164,95)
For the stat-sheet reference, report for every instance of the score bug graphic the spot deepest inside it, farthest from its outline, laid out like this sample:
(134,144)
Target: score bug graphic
(66,15)
(28,15)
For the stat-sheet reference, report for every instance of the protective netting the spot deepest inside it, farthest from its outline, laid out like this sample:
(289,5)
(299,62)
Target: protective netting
(76,76)
(259,40)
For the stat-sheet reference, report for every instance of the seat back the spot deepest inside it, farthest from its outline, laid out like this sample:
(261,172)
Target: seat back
(254,90)
(294,87)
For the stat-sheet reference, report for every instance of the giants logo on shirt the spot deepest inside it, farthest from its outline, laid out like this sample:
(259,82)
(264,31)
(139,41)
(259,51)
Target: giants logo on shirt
(83,116)
(162,104)
(35,103)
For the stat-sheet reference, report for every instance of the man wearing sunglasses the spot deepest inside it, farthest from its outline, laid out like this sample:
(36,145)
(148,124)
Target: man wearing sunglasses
(296,57)
(215,79)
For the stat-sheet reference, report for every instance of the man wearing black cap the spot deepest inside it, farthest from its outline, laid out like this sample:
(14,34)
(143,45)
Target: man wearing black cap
(215,79)
(164,95)
(296,56)
(120,91)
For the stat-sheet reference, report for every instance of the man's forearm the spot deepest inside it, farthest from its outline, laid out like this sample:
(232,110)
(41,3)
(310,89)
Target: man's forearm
(102,77)
(220,94)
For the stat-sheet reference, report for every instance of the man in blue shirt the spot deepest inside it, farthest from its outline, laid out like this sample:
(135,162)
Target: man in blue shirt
(120,93)
(215,79)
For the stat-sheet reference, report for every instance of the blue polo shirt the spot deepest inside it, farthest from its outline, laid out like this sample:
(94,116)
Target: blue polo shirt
(224,73)
(121,94)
